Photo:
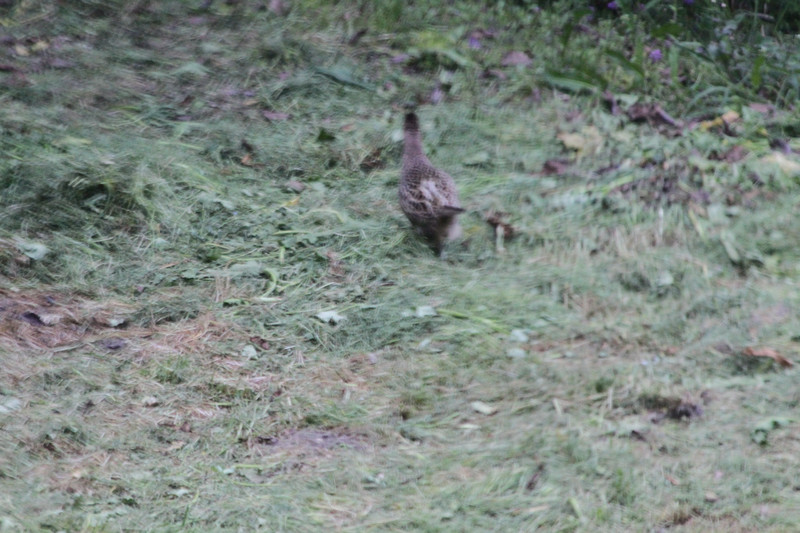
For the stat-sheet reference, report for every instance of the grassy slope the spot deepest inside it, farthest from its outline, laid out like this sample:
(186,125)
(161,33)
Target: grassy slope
(173,375)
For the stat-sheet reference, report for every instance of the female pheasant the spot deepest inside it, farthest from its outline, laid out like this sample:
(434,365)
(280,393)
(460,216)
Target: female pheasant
(428,195)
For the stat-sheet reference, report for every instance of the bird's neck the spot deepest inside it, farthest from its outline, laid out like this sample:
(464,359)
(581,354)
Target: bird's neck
(412,146)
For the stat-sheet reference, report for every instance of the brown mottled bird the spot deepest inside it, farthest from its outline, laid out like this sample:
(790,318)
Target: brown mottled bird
(428,195)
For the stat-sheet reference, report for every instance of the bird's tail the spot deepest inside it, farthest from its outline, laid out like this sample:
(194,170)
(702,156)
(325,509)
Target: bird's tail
(411,123)
(448,210)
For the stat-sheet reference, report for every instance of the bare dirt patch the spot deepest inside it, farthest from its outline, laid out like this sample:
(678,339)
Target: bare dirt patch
(45,320)
(311,441)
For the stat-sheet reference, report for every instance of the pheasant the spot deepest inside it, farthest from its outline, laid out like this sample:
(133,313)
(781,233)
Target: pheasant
(428,195)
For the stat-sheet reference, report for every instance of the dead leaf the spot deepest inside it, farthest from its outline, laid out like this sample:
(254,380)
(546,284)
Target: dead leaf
(685,409)
(764,351)
(274,116)
(437,96)
(672,408)
(352,41)
(177,445)
(735,154)
(516,58)
(788,166)
(58,63)
(652,113)
(330,317)
(150,401)
(113,343)
(722,121)
(296,186)
(260,342)
(611,102)
(764,109)
(493,73)
(555,166)
(483,408)
(247,160)
(425,310)
(534,479)
(495,219)
(770,315)
(573,141)
(729,117)
(723,348)
(588,141)
(781,145)
(373,161)
(335,266)
(673,481)
(279,7)
(31,318)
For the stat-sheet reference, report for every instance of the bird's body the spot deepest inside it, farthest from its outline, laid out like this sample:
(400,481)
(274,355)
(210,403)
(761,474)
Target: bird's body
(428,196)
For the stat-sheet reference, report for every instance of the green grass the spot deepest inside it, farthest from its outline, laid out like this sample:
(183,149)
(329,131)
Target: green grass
(163,364)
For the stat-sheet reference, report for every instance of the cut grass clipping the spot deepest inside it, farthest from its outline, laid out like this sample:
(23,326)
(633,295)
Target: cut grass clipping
(214,315)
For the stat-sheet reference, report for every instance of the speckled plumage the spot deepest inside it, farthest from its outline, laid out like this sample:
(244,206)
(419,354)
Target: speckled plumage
(428,195)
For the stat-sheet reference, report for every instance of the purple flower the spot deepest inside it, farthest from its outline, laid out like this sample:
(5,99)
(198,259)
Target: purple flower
(612,5)
(655,55)
(474,43)
(688,2)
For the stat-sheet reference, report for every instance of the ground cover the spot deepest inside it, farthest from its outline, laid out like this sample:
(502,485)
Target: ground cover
(213,314)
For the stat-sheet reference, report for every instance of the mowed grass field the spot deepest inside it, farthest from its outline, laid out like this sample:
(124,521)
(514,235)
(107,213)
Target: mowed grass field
(214,316)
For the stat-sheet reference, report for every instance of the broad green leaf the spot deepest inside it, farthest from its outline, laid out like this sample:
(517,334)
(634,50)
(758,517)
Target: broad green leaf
(35,250)
(728,242)
(330,317)
(570,83)
(671,28)
(625,63)
(344,76)
(755,71)
(761,431)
